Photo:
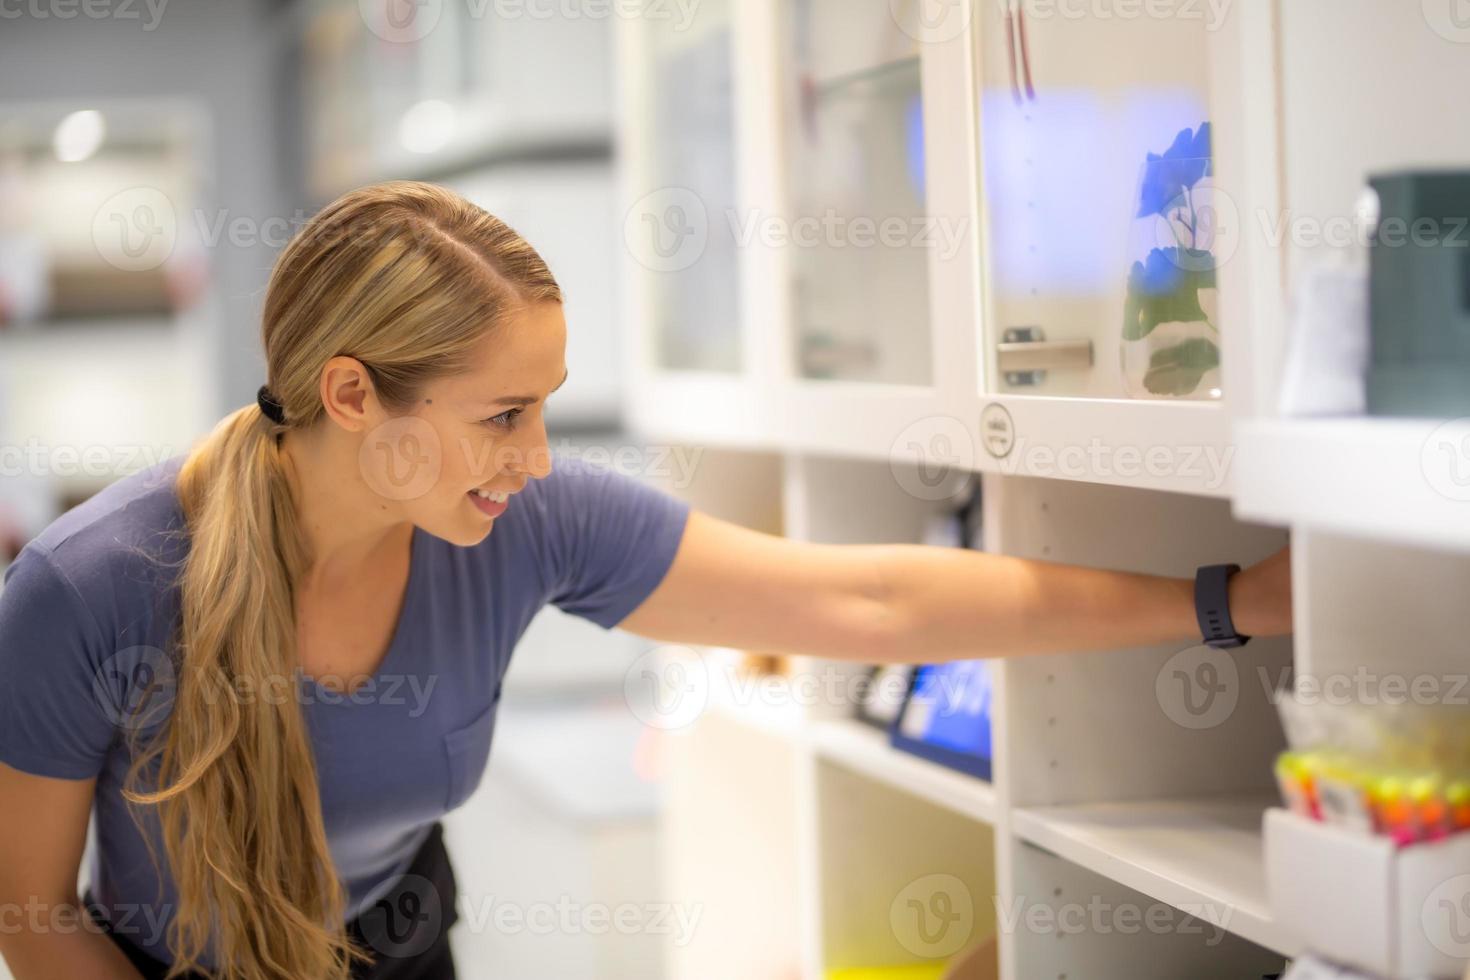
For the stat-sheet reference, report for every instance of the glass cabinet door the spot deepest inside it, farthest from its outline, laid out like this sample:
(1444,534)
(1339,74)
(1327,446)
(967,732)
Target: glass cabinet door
(855,165)
(695,287)
(1100,204)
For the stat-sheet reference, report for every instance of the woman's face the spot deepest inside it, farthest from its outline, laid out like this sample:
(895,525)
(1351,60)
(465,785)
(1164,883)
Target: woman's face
(483,430)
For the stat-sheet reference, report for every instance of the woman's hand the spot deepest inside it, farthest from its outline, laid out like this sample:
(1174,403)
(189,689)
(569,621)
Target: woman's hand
(1260,596)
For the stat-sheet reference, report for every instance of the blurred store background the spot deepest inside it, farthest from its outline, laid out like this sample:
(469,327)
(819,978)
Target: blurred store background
(154,158)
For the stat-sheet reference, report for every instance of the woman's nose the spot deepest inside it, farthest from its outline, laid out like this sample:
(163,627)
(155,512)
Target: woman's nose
(532,452)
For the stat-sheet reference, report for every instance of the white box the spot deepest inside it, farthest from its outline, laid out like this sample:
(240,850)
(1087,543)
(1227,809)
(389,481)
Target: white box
(1358,900)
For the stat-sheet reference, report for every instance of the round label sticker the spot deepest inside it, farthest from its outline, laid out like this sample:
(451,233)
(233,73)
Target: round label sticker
(997,431)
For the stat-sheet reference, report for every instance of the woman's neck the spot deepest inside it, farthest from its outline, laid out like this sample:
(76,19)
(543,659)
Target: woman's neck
(346,525)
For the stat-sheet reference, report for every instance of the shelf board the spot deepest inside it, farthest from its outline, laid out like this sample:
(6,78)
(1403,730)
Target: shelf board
(482,145)
(865,750)
(1368,477)
(898,73)
(1189,853)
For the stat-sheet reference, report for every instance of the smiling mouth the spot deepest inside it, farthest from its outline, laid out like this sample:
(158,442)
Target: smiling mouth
(491,503)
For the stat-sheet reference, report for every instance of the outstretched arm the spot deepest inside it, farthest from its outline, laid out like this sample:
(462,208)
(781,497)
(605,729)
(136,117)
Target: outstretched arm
(908,603)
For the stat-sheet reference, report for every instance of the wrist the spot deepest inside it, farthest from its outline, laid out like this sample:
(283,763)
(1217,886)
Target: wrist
(1244,607)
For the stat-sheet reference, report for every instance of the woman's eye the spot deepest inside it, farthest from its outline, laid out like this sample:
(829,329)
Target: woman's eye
(505,420)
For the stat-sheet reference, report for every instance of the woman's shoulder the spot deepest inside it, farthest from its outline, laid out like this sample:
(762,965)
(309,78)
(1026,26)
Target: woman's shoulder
(139,501)
(124,540)
(84,613)
(603,530)
(589,471)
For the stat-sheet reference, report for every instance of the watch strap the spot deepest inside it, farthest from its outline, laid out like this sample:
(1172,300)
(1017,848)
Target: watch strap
(1212,606)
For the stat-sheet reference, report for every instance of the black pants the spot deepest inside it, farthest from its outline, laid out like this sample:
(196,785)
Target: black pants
(405,931)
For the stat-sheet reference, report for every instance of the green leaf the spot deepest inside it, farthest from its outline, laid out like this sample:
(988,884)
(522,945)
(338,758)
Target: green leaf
(1178,370)
(1166,290)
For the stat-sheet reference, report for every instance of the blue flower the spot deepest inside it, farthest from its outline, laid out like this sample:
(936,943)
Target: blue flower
(1181,167)
(1161,276)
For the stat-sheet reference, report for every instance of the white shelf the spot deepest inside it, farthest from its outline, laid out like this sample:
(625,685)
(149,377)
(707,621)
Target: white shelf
(866,750)
(862,749)
(1369,477)
(497,143)
(1178,446)
(1203,855)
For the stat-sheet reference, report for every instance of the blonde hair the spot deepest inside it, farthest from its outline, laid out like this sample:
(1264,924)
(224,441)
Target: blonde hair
(407,278)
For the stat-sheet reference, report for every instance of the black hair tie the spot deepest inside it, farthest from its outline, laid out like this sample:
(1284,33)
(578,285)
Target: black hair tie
(269,406)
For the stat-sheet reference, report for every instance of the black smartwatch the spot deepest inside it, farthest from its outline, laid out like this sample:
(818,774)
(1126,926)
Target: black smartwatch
(1212,606)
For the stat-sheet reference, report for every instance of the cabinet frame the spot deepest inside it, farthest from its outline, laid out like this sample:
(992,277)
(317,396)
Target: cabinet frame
(1181,446)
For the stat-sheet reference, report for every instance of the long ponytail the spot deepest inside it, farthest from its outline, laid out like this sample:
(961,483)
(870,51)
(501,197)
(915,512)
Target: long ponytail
(239,807)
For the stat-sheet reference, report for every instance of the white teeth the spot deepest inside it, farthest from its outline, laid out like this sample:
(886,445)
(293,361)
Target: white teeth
(497,497)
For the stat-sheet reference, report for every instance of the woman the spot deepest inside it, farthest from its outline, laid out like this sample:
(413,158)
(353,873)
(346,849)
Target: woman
(205,650)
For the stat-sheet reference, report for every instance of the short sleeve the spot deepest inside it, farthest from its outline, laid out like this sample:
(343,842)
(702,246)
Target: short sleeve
(52,719)
(612,539)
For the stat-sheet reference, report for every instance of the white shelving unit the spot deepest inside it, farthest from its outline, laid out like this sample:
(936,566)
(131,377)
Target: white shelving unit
(1197,853)
(1120,782)
(1391,480)
(866,751)
(1383,479)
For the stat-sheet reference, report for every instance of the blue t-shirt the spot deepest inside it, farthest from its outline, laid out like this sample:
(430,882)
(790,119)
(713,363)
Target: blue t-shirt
(88,607)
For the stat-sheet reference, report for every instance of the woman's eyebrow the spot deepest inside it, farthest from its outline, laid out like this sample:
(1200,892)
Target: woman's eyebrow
(528,399)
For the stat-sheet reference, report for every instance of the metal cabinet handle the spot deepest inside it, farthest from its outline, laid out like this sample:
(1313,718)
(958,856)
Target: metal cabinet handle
(1043,355)
(1024,355)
